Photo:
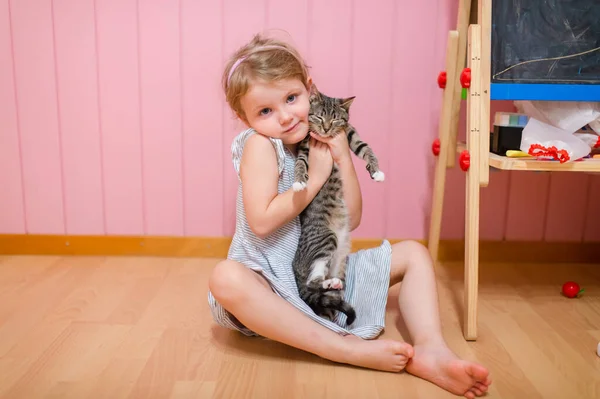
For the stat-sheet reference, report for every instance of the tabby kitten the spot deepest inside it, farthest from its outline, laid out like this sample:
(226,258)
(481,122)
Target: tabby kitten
(320,261)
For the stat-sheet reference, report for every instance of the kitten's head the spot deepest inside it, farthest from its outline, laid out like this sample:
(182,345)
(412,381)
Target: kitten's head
(328,116)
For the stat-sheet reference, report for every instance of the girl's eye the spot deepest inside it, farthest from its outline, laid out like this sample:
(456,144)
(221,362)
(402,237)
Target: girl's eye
(291,98)
(265,111)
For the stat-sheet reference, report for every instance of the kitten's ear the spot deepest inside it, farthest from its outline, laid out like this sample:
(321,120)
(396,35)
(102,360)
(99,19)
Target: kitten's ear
(314,93)
(347,102)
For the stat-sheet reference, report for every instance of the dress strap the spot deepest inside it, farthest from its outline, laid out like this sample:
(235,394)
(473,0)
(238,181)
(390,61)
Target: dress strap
(237,149)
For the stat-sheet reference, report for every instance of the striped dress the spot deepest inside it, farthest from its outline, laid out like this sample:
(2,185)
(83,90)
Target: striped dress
(368,271)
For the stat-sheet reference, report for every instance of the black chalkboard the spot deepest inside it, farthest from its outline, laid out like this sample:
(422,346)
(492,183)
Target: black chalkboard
(528,30)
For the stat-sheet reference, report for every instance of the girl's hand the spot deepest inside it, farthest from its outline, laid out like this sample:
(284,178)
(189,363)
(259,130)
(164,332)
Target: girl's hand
(338,145)
(320,162)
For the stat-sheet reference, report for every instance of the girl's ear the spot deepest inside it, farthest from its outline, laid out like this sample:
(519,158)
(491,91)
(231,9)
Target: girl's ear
(243,120)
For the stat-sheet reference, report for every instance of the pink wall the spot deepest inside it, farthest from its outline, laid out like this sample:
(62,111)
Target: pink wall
(112,120)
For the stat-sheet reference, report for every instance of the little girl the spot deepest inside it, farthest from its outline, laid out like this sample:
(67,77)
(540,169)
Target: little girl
(266,84)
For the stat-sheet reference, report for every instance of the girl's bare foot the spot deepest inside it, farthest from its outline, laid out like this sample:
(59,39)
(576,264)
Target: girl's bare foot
(381,354)
(439,365)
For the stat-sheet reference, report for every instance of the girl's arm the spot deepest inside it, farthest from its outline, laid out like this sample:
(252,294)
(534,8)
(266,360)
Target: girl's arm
(266,210)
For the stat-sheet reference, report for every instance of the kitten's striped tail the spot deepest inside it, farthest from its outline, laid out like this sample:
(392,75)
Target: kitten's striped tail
(321,299)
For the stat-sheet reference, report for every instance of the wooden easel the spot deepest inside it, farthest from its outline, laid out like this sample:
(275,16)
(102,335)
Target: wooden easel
(470,46)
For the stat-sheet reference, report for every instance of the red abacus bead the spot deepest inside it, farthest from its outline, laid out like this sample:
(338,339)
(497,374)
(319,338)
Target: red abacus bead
(465,78)
(464,160)
(442,77)
(435,147)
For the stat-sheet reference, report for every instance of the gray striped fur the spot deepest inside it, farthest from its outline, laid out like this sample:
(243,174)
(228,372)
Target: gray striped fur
(320,261)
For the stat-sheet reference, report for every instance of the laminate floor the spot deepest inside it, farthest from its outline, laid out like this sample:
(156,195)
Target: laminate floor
(133,327)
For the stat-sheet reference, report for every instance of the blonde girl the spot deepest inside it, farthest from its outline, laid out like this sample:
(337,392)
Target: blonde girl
(267,85)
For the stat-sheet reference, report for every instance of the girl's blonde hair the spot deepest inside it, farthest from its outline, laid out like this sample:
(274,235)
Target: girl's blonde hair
(262,58)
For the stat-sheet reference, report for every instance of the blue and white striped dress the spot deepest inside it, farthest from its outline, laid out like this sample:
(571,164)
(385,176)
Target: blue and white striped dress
(367,276)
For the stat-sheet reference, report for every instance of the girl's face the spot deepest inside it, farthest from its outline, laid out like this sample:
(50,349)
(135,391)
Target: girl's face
(278,109)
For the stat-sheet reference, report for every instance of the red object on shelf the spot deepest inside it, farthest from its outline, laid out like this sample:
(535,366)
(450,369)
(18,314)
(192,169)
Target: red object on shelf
(464,160)
(435,147)
(540,151)
(465,78)
(442,78)
(571,289)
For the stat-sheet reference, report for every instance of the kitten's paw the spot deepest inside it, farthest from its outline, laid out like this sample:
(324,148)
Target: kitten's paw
(333,283)
(299,186)
(378,176)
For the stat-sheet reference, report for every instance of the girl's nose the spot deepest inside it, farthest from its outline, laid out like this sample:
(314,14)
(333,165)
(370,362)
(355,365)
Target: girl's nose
(285,118)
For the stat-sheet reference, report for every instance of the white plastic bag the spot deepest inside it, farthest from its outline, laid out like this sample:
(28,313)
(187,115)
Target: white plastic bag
(567,115)
(595,125)
(589,137)
(544,141)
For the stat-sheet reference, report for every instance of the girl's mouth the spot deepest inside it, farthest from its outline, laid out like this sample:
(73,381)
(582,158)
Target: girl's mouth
(293,127)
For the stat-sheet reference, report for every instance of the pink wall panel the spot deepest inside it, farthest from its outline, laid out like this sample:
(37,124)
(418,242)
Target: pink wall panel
(329,49)
(372,109)
(160,78)
(113,120)
(12,214)
(445,14)
(494,197)
(527,206)
(201,66)
(493,202)
(453,216)
(241,20)
(35,75)
(567,200)
(77,87)
(412,129)
(119,98)
(295,30)
(592,210)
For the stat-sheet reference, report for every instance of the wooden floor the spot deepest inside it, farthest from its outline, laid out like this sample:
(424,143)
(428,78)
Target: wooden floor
(73,327)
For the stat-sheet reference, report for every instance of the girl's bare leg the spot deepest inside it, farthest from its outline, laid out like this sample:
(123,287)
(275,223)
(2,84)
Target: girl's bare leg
(249,298)
(418,301)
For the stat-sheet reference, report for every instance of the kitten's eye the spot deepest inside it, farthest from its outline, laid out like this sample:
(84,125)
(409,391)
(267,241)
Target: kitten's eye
(315,119)
(291,98)
(265,111)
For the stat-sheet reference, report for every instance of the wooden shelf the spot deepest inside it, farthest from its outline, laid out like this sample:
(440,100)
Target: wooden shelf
(532,164)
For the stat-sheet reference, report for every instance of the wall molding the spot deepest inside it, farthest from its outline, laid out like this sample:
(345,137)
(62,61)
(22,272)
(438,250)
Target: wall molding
(216,247)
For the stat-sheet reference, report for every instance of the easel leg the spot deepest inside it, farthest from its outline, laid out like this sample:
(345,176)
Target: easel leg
(445,149)
(462,25)
(474,131)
